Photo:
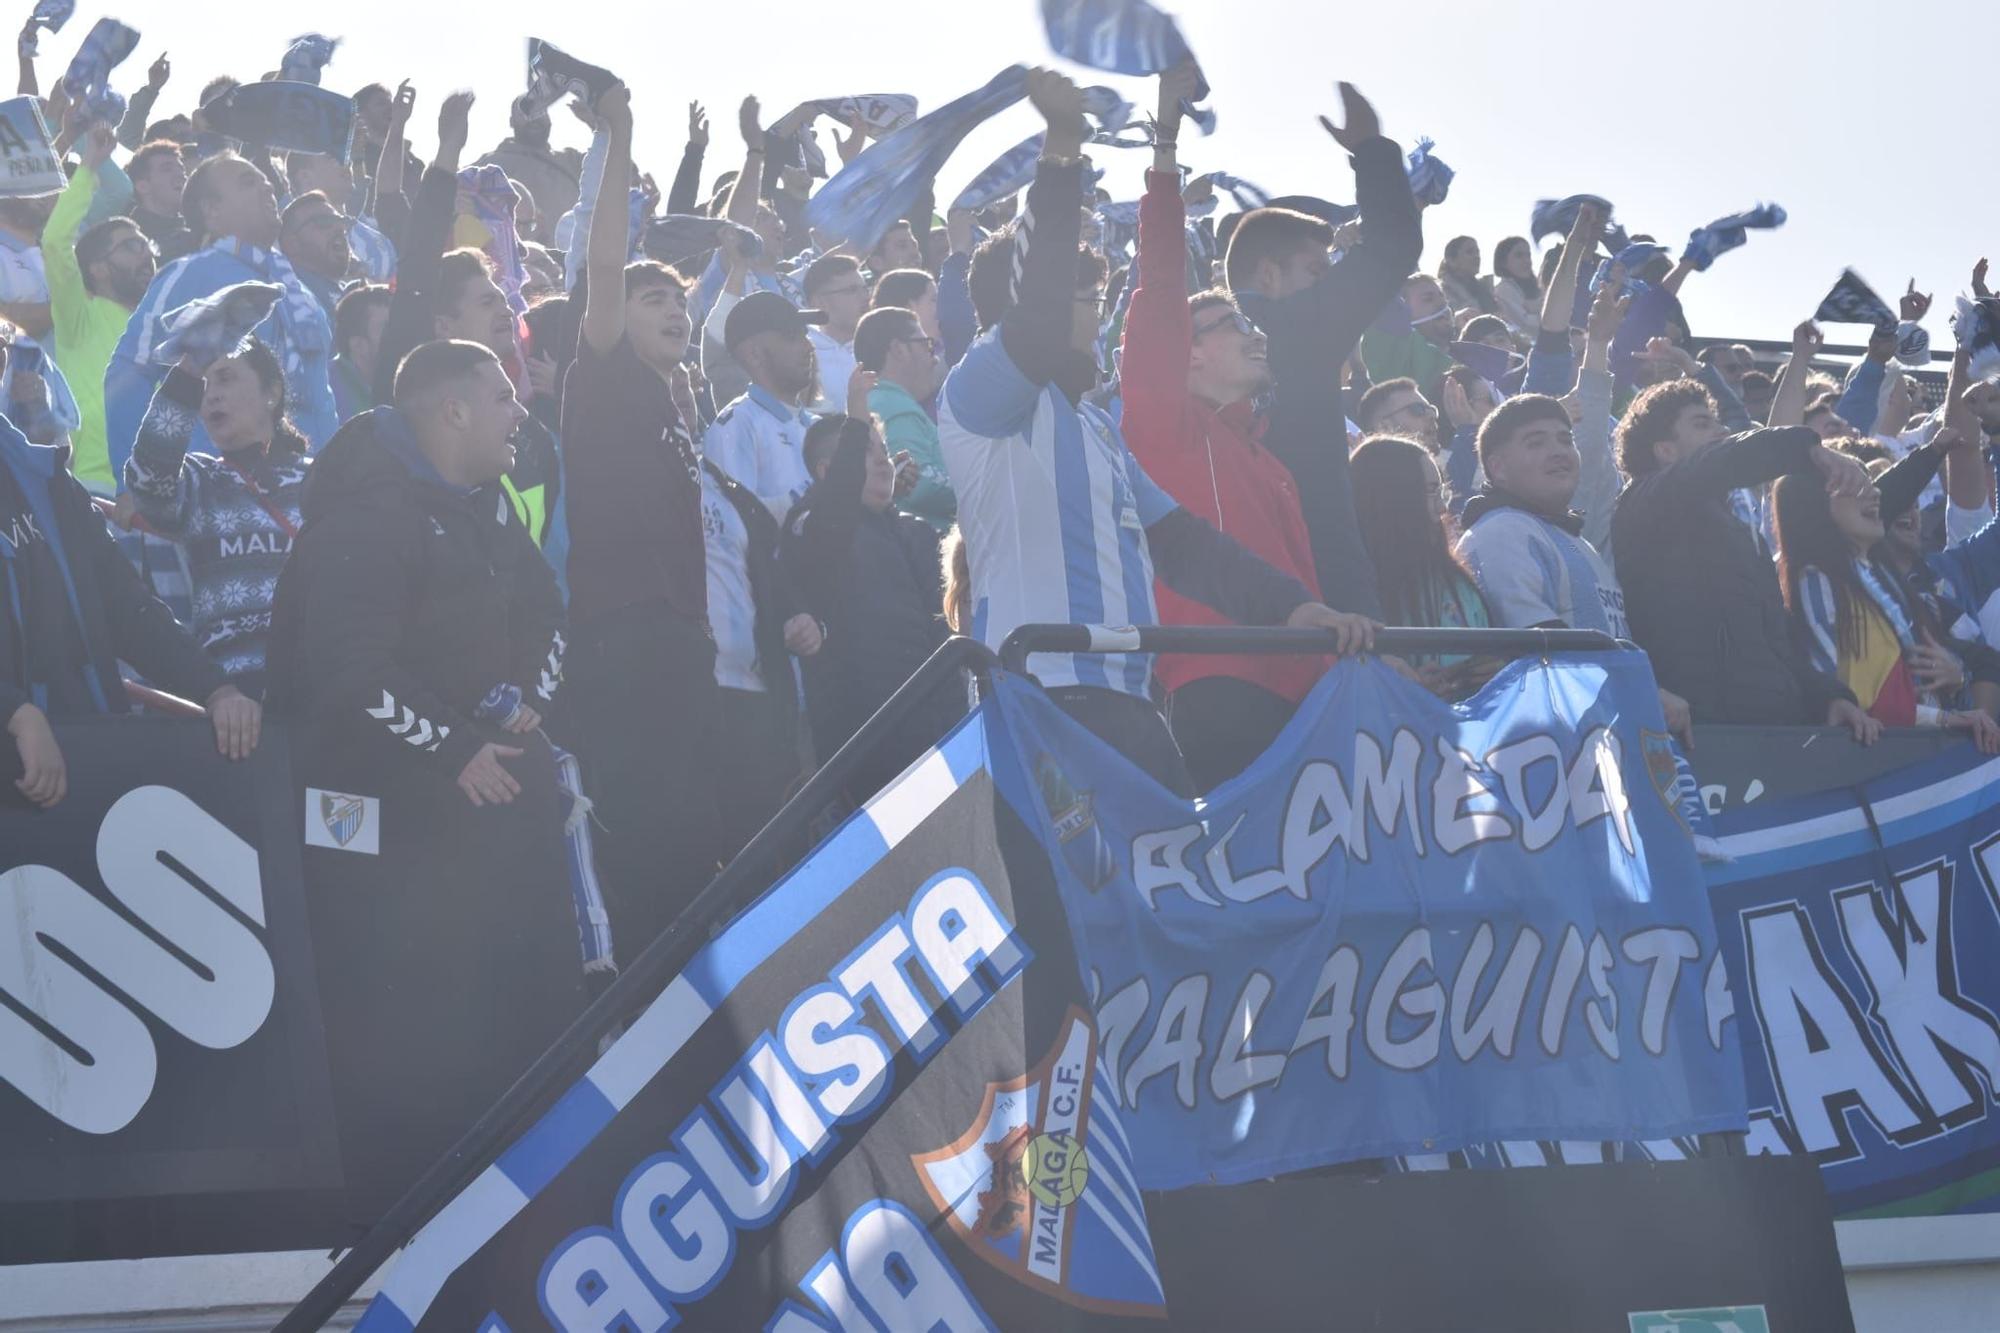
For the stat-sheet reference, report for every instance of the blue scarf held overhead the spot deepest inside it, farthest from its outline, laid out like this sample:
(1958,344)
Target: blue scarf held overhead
(50,14)
(1124,37)
(881,113)
(680,236)
(306,57)
(1014,170)
(285,114)
(304,343)
(554,74)
(1430,178)
(1725,234)
(89,72)
(868,195)
(1557,216)
(214,326)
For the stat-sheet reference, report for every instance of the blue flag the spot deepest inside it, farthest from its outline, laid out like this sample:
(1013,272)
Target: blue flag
(1405,928)
(865,197)
(1430,178)
(1123,36)
(1725,234)
(298,117)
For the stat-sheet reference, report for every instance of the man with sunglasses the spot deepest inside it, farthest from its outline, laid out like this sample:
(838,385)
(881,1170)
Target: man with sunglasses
(891,342)
(1191,370)
(95,282)
(313,236)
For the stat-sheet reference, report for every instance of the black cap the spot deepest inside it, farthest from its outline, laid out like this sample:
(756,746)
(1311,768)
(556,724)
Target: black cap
(766,312)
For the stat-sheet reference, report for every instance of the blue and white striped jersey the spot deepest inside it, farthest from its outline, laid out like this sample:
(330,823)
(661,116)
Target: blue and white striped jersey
(1054,510)
(760,442)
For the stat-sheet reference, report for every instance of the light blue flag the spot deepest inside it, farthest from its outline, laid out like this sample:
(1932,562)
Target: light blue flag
(1125,37)
(1725,234)
(865,197)
(1430,178)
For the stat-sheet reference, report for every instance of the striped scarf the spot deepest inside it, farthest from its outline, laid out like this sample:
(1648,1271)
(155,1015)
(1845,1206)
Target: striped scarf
(304,335)
(487,194)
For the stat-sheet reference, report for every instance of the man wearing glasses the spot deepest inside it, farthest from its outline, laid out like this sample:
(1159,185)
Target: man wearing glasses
(95,282)
(313,236)
(1395,407)
(908,370)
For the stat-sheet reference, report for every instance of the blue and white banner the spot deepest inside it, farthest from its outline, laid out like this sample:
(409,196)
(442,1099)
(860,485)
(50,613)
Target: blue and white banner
(1862,929)
(1408,928)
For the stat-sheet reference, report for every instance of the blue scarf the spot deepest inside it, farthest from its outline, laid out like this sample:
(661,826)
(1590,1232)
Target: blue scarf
(554,74)
(1725,234)
(680,236)
(107,43)
(1430,178)
(283,114)
(1557,216)
(1246,195)
(50,14)
(1014,170)
(1124,37)
(214,326)
(303,332)
(881,113)
(306,57)
(868,195)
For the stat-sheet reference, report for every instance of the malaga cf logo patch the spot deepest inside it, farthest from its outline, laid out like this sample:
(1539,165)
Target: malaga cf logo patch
(1041,1186)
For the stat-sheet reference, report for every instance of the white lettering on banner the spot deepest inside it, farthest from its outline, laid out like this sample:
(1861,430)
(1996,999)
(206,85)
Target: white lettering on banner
(1909,1051)
(1405,1010)
(733,1164)
(214,986)
(1326,810)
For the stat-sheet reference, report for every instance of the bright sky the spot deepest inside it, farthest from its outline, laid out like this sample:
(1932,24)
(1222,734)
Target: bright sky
(1677,114)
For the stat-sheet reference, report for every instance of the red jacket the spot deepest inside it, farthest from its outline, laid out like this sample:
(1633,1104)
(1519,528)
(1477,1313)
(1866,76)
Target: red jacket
(1209,459)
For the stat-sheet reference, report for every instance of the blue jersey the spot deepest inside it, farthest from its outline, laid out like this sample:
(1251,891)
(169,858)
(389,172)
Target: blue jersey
(1054,511)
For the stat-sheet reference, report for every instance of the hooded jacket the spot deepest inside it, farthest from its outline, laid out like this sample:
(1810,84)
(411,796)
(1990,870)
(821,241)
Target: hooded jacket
(114,611)
(406,599)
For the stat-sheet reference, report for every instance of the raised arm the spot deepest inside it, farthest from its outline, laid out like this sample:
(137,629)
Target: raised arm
(166,490)
(1159,331)
(1036,330)
(749,186)
(423,248)
(1598,483)
(684,195)
(1968,477)
(389,166)
(604,301)
(1788,403)
(25,48)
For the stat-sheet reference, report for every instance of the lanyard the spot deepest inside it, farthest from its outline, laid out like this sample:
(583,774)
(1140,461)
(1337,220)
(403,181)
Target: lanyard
(264,501)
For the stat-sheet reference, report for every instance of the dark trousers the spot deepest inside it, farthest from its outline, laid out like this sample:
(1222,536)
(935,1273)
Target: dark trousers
(756,764)
(639,707)
(1222,724)
(1131,726)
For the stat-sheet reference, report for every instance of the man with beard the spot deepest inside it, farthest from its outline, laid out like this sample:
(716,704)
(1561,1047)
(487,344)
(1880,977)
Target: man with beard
(642,700)
(95,281)
(759,439)
(1192,368)
(313,236)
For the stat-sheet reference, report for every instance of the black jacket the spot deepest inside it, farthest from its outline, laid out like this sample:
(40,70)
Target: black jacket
(1311,333)
(405,600)
(1702,596)
(119,617)
(874,581)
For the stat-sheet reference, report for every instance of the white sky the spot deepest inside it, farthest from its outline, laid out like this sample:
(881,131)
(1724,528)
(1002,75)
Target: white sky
(1677,113)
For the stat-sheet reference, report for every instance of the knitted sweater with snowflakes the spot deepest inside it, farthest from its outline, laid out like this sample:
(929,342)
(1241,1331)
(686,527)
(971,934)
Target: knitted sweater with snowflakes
(234,518)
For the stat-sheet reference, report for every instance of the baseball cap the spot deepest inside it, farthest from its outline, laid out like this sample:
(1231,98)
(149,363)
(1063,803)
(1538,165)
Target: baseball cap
(766,312)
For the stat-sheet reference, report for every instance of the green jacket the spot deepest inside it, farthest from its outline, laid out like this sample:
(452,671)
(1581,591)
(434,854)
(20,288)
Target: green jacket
(907,428)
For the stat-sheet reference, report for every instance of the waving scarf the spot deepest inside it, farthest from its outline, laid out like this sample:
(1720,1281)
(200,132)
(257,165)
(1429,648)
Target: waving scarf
(1430,178)
(866,196)
(1557,216)
(306,57)
(216,325)
(680,236)
(304,335)
(1725,234)
(1976,325)
(1853,301)
(1014,169)
(89,72)
(1125,37)
(554,74)
(50,14)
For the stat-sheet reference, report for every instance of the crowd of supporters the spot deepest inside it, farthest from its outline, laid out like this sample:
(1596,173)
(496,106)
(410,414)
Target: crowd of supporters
(466,468)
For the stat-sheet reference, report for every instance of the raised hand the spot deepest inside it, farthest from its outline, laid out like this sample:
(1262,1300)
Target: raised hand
(156,75)
(1915,304)
(1607,308)
(1979,280)
(614,105)
(1663,350)
(857,139)
(1807,339)
(697,125)
(859,385)
(453,116)
(1358,122)
(1061,104)
(401,106)
(1843,475)
(748,124)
